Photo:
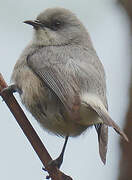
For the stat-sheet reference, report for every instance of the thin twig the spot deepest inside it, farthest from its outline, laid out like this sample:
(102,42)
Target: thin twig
(30,133)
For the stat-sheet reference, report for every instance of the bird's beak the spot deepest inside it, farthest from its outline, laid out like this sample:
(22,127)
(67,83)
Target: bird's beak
(35,23)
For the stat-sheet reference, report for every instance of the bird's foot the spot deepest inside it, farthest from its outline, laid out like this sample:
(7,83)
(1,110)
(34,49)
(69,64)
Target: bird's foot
(10,89)
(57,162)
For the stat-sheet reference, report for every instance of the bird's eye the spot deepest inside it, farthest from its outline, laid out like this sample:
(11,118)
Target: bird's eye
(56,25)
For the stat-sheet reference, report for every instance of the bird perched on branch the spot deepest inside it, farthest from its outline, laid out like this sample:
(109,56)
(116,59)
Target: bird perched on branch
(61,80)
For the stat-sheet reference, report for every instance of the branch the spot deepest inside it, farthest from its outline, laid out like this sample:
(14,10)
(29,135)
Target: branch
(30,133)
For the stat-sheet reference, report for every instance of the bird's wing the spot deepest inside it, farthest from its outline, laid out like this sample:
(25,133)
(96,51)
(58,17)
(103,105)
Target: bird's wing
(63,84)
(56,79)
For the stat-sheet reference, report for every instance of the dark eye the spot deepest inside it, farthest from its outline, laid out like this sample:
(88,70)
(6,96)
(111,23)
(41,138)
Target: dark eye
(56,25)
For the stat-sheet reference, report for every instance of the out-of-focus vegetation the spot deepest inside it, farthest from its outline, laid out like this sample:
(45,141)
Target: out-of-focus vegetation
(126,159)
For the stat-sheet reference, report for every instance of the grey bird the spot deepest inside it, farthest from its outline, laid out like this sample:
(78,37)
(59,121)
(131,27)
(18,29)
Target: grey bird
(61,80)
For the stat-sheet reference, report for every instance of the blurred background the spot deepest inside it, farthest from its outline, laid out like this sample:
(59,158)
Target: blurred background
(110,28)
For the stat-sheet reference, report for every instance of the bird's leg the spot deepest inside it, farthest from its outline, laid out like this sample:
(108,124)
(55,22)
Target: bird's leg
(58,162)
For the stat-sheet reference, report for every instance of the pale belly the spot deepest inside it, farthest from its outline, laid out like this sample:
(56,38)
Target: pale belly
(47,110)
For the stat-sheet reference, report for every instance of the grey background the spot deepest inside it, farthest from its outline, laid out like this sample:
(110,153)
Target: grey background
(108,26)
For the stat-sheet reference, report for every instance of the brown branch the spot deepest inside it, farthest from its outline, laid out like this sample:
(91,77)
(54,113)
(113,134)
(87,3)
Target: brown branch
(30,133)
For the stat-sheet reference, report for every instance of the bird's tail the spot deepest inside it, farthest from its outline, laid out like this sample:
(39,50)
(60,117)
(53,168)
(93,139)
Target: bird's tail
(96,105)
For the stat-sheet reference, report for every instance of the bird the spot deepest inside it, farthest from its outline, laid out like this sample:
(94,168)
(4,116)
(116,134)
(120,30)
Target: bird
(61,80)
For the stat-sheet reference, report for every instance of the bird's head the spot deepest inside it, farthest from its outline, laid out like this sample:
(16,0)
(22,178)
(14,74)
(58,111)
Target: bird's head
(58,26)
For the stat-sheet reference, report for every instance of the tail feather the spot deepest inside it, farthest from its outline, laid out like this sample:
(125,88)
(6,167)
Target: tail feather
(96,104)
(108,121)
(102,131)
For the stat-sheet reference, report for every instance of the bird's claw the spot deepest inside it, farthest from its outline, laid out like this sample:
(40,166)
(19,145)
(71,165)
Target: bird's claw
(57,163)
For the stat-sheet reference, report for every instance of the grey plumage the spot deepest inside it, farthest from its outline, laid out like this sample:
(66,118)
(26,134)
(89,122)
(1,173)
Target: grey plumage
(62,79)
